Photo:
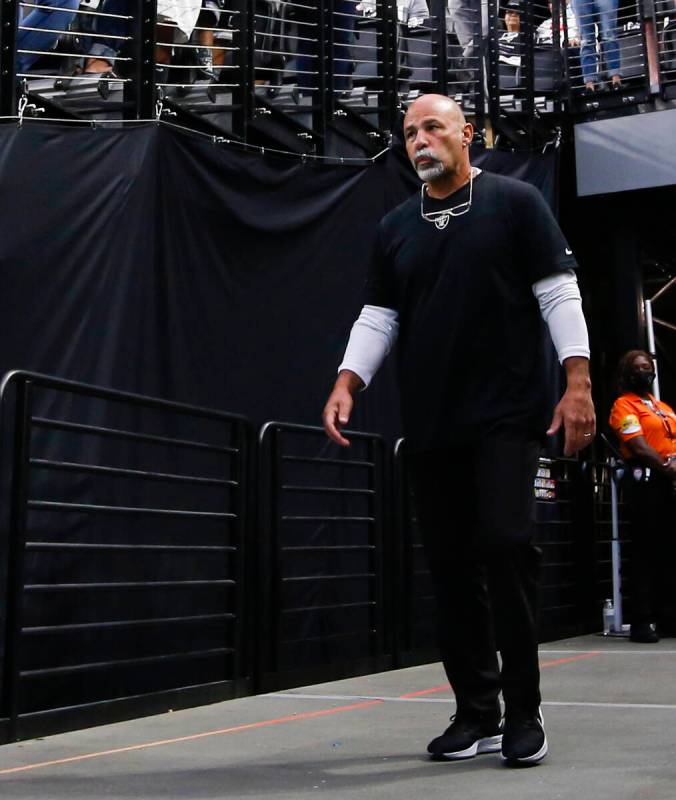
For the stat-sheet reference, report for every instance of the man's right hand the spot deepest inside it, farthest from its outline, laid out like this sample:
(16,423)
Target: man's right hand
(339,406)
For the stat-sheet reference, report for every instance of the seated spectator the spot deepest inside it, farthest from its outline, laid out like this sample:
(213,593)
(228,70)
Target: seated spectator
(102,50)
(646,429)
(543,34)
(40,29)
(509,42)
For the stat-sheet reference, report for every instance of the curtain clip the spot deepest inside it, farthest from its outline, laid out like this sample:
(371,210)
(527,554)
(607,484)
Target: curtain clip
(23,102)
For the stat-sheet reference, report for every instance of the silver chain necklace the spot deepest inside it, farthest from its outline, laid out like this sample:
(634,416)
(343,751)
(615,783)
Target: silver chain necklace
(441,218)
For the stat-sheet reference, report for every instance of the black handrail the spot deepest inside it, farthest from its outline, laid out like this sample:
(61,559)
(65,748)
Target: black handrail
(281,618)
(220,500)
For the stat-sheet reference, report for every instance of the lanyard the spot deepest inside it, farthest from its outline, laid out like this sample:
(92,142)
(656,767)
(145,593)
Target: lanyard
(666,423)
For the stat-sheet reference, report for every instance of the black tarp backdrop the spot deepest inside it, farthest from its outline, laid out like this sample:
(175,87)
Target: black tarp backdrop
(157,262)
(153,261)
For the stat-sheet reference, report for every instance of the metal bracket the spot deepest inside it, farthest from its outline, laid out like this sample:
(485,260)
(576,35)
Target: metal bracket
(29,109)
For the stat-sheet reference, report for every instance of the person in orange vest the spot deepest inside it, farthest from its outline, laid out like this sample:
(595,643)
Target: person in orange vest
(646,429)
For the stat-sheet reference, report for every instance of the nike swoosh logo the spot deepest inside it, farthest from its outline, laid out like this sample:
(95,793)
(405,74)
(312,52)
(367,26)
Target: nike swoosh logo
(569,252)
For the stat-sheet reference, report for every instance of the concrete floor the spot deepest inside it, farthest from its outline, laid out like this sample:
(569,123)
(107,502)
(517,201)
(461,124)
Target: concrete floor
(610,712)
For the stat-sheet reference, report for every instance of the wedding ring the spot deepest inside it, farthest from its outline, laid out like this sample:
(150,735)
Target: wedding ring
(587,435)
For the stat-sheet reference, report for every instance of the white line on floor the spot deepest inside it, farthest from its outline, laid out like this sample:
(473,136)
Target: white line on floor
(385,699)
(632,652)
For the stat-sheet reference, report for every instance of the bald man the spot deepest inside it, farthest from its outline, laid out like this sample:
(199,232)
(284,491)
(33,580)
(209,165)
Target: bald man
(463,274)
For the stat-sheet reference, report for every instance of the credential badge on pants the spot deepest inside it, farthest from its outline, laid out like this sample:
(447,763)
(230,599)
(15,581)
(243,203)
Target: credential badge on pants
(442,222)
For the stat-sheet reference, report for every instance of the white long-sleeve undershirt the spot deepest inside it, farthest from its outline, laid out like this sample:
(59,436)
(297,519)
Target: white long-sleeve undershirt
(375,331)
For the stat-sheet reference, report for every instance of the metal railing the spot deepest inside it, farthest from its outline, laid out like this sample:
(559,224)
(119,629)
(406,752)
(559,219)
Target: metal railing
(124,516)
(331,77)
(325,604)
(665,32)
(611,554)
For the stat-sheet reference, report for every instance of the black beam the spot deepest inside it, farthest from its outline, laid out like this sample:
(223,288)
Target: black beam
(386,27)
(440,55)
(140,91)
(244,41)
(8,31)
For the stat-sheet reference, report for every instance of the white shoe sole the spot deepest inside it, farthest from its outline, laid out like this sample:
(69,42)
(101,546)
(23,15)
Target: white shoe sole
(541,753)
(491,744)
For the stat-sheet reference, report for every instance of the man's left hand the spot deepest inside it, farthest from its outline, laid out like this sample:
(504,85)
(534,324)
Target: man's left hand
(575,410)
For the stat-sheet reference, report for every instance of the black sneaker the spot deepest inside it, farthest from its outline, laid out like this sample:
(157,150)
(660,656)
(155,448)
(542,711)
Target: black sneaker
(644,632)
(524,742)
(466,738)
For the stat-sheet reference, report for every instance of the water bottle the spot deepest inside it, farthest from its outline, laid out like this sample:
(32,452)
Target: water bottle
(608,617)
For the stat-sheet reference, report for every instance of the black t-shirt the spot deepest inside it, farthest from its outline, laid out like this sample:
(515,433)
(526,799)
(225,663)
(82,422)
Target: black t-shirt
(470,349)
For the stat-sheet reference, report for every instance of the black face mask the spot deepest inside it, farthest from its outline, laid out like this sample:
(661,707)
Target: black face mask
(641,381)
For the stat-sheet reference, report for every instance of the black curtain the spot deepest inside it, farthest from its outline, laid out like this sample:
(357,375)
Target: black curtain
(154,261)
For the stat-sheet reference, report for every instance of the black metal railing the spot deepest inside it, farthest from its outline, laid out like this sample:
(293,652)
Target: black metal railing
(602,558)
(125,520)
(325,606)
(155,555)
(332,78)
(665,33)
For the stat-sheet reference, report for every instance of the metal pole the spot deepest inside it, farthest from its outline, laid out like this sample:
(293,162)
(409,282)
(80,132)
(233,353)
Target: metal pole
(493,65)
(140,92)
(528,64)
(8,33)
(650,328)
(244,40)
(323,115)
(387,63)
(440,55)
(615,549)
(17,545)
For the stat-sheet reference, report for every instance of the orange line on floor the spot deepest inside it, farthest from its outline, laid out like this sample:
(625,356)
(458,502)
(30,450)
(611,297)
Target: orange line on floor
(144,746)
(426,691)
(568,659)
(543,665)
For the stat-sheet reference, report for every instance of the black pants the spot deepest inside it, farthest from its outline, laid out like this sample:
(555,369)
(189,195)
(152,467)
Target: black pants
(474,506)
(652,509)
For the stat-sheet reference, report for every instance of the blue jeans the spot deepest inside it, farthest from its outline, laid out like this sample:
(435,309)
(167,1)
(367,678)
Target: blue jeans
(307,61)
(108,26)
(604,14)
(41,40)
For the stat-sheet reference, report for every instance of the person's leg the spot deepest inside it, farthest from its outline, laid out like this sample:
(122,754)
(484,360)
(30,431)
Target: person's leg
(585,12)
(102,50)
(307,62)
(467,26)
(465,22)
(445,508)
(504,526)
(506,469)
(39,39)
(445,505)
(611,49)
(646,514)
(344,12)
(666,558)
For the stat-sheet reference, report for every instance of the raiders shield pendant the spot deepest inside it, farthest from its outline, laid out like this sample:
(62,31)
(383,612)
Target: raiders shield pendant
(442,222)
